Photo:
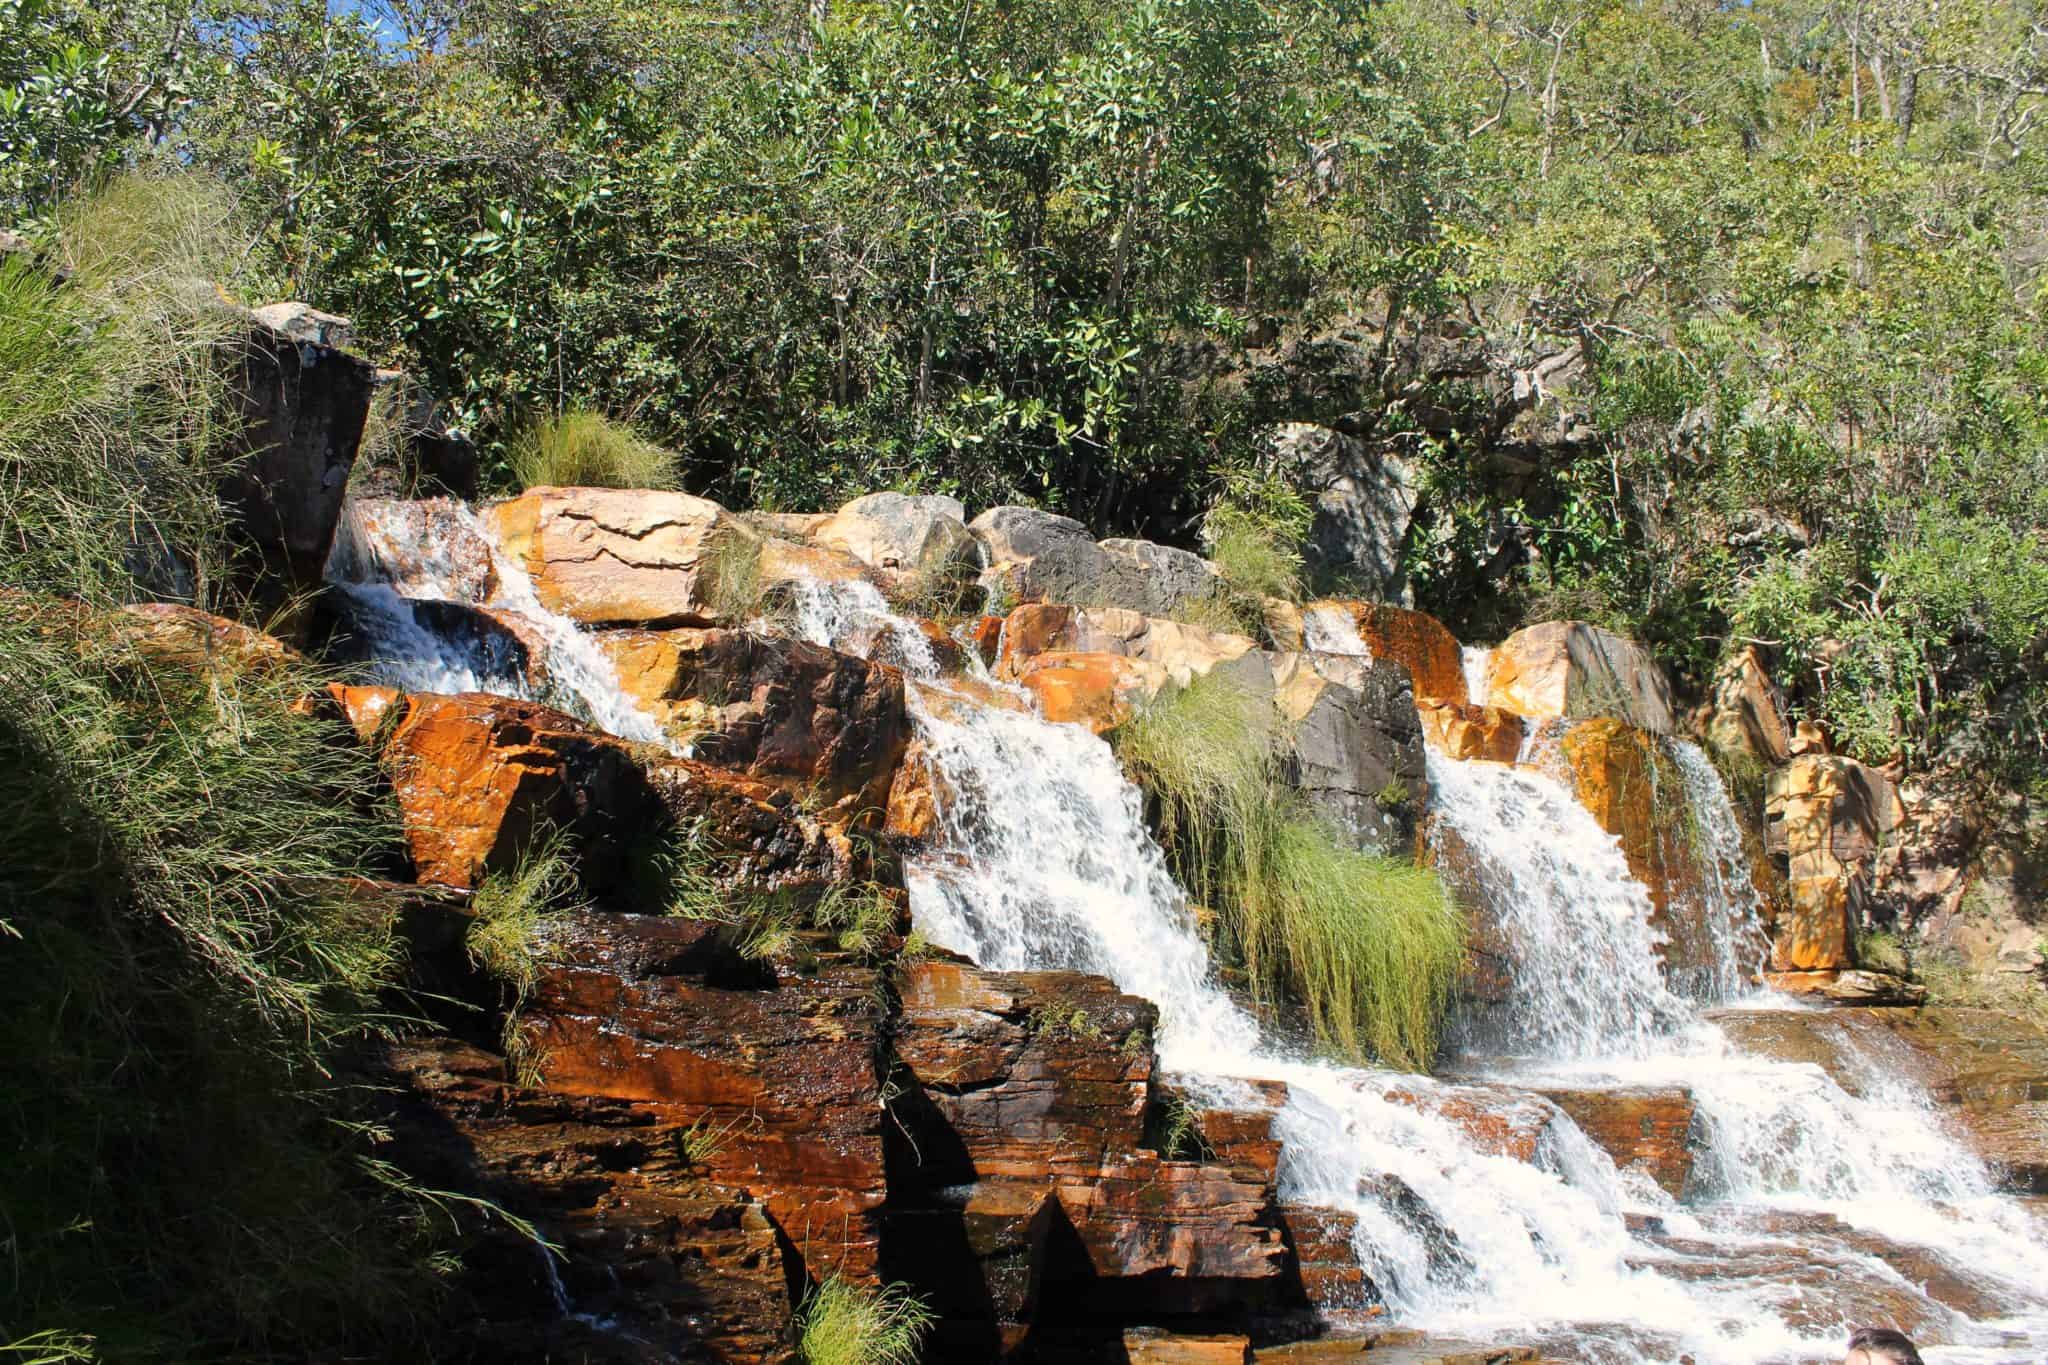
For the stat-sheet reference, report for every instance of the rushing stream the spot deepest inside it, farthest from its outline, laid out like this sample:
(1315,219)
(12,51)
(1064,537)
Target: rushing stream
(1043,861)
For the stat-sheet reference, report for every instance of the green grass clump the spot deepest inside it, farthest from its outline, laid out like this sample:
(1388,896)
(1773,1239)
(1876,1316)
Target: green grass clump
(844,1324)
(1255,533)
(508,907)
(1367,946)
(584,449)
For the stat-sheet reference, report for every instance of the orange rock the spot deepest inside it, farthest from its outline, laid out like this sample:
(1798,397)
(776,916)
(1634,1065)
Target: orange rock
(1827,817)
(1748,713)
(612,557)
(987,635)
(1645,1126)
(1093,689)
(913,799)
(1571,669)
(1462,730)
(1621,775)
(1415,640)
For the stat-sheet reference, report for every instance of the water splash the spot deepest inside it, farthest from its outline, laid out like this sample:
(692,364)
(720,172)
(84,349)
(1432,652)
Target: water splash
(390,557)
(853,616)
(1477,661)
(1333,630)
(1725,910)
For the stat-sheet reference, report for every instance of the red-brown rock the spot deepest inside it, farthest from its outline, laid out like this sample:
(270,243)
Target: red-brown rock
(1415,640)
(784,712)
(1462,730)
(1093,689)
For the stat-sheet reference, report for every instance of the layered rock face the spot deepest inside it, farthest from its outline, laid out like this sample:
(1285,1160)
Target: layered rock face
(1570,669)
(609,557)
(1034,556)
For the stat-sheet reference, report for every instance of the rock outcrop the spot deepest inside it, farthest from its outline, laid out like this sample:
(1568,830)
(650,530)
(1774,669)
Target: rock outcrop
(1354,747)
(1747,713)
(918,536)
(1183,652)
(1415,640)
(1365,500)
(303,402)
(1826,817)
(1034,556)
(794,715)
(1571,669)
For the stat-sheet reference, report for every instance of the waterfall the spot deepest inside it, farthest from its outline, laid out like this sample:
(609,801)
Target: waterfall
(390,559)
(1333,630)
(1478,666)
(1043,862)
(1574,925)
(1727,911)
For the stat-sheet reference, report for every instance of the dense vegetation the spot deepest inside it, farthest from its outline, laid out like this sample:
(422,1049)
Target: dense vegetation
(1768,276)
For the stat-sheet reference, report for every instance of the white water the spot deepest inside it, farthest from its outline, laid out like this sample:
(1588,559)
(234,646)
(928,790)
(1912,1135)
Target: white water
(382,567)
(1478,665)
(1333,630)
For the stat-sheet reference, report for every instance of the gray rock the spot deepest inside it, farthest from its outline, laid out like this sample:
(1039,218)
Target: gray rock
(306,324)
(1038,556)
(303,405)
(1364,499)
(898,531)
(1355,747)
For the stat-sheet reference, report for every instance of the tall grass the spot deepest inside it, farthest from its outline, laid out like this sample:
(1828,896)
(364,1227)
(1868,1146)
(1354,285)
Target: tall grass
(1367,946)
(584,449)
(842,1323)
(185,964)
(1255,532)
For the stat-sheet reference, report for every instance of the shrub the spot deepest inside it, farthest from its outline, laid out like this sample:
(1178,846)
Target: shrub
(1366,945)
(584,449)
(845,1324)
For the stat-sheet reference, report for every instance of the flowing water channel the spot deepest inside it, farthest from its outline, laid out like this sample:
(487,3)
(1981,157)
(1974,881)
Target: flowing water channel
(1805,1199)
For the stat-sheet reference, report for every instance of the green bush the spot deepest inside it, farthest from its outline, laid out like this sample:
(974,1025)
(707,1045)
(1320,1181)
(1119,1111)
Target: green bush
(844,1324)
(583,449)
(1367,946)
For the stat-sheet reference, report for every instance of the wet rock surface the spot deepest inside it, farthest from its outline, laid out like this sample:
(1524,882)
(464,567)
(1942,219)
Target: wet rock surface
(1571,669)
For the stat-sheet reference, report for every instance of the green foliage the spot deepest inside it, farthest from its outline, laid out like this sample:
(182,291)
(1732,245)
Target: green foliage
(1367,946)
(583,449)
(841,1323)
(1255,533)
(49,1348)
(732,563)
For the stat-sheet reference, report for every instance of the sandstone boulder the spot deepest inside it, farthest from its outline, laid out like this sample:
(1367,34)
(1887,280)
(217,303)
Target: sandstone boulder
(1466,731)
(478,777)
(1826,817)
(1092,688)
(791,714)
(916,535)
(1184,652)
(625,557)
(1571,669)
(185,637)
(423,548)
(774,1068)
(1021,1170)
(1034,556)
(1647,1127)
(1748,712)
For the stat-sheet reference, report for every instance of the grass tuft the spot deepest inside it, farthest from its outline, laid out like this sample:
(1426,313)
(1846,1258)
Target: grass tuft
(845,1324)
(583,449)
(1255,533)
(508,909)
(1367,946)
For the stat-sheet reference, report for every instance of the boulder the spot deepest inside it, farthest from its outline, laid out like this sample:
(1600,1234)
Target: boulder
(1415,640)
(1747,714)
(1354,750)
(791,714)
(763,836)
(1466,731)
(1095,689)
(919,536)
(1365,500)
(1184,652)
(1849,987)
(478,777)
(624,557)
(1571,669)
(1034,556)
(1826,817)
(1324,1259)
(303,401)
(1021,1166)
(425,548)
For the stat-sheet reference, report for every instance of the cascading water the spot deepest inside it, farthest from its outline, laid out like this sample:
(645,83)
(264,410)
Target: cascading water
(1044,862)
(392,562)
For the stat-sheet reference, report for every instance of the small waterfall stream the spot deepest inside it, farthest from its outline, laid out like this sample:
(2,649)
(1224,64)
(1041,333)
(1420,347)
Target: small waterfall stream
(1044,862)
